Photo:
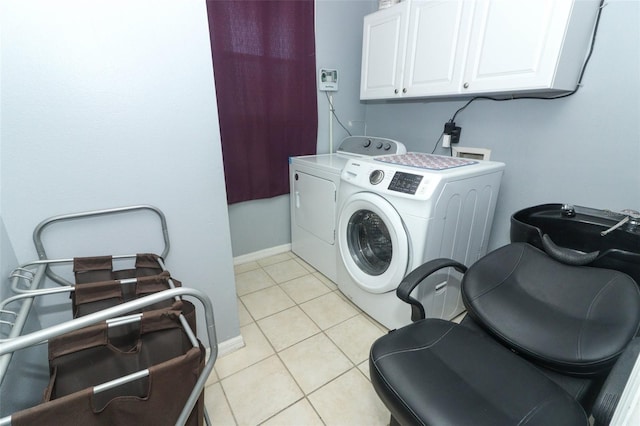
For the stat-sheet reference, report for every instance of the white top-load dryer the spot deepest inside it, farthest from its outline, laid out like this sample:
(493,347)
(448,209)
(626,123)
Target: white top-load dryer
(397,212)
(314,181)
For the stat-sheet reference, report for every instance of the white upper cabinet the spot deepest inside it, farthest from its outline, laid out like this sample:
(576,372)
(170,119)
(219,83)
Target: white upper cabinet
(436,52)
(468,47)
(528,45)
(383,51)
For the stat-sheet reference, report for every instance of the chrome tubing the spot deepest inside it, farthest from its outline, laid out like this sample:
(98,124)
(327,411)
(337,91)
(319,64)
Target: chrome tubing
(36,337)
(20,321)
(37,233)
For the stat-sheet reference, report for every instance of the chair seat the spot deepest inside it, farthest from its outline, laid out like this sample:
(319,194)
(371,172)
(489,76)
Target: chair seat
(436,372)
(575,320)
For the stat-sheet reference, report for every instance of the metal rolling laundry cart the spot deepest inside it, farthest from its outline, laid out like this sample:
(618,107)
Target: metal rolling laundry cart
(130,354)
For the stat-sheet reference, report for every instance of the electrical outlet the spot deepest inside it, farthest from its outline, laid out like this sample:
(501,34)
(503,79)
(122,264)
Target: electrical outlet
(455,134)
(328,80)
(451,133)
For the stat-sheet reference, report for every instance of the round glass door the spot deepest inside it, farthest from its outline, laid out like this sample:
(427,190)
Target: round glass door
(373,243)
(369,242)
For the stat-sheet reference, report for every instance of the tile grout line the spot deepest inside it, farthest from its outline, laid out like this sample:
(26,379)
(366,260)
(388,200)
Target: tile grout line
(275,283)
(305,396)
(287,294)
(277,354)
(224,393)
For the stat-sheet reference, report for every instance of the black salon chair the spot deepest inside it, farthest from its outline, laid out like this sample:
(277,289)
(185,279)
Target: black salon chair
(539,339)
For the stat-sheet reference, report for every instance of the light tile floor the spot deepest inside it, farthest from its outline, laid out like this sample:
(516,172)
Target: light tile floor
(305,360)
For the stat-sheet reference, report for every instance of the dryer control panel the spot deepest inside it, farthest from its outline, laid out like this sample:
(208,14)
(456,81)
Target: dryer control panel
(369,146)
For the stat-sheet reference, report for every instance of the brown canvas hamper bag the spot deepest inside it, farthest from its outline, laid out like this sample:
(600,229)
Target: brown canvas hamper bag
(101,268)
(165,393)
(97,354)
(95,296)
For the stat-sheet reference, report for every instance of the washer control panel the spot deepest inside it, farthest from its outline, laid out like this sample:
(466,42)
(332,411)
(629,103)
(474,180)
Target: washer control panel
(385,179)
(405,182)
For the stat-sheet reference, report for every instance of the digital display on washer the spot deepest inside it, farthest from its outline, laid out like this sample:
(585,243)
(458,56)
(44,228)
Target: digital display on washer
(405,182)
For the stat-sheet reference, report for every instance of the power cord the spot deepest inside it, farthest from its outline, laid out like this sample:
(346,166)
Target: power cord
(333,111)
(437,142)
(451,121)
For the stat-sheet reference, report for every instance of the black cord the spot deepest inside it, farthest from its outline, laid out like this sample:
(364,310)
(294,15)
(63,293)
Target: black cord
(333,111)
(584,67)
(437,142)
(489,98)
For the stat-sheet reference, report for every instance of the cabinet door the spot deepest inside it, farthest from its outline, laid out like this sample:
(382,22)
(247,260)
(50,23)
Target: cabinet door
(515,44)
(383,50)
(436,46)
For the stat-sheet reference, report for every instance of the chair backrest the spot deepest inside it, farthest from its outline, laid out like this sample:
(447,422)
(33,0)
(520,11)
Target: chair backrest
(572,319)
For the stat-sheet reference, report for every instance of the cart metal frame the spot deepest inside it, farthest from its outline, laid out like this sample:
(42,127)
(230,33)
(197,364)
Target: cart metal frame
(27,281)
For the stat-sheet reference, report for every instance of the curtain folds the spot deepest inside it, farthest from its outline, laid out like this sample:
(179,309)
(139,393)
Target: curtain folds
(264,65)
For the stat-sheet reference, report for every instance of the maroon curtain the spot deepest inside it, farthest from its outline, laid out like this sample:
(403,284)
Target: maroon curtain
(264,66)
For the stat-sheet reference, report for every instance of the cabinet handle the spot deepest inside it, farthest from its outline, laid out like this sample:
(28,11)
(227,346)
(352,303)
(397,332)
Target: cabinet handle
(404,90)
(395,91)
(465,85)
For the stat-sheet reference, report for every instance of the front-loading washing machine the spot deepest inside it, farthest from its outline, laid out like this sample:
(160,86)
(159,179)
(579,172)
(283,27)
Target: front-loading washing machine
(397,212)
(314,181)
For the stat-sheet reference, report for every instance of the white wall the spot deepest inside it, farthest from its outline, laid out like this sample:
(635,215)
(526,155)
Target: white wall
(584,149)
(262,224)
(259,224)
(10,400)
(339,46)
(6,251)
(112,103)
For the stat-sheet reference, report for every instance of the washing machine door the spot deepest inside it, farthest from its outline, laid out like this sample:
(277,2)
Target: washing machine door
(373,242)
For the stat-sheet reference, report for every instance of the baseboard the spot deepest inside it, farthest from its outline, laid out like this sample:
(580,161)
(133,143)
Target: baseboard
(230,345)
(261,254)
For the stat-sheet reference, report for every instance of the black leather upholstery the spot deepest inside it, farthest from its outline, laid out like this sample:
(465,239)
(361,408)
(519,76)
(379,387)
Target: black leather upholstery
(571,324)
(572,319)
(615,384)
(435,372)
(583,389)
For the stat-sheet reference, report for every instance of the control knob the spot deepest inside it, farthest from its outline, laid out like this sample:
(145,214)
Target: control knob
(387,146)
(376,177)
(367,143)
